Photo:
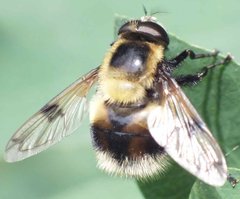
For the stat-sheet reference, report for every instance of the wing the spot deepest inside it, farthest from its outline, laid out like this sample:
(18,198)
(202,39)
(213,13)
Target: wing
(176,126)
(57,119)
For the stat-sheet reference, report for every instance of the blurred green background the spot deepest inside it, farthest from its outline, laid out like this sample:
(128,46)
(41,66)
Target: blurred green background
(46,45)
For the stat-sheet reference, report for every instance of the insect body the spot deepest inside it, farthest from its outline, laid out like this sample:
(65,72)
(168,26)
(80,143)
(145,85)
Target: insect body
(139,115)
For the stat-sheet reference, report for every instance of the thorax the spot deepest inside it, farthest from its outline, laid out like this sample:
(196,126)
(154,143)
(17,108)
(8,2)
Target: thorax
(128,70)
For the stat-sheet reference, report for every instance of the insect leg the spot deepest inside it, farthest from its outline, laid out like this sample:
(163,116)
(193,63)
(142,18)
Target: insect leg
(189,80)
(233,181)
(192,55)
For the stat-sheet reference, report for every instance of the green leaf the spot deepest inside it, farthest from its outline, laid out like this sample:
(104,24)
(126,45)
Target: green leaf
(217,100)
(173,183)
(203,191)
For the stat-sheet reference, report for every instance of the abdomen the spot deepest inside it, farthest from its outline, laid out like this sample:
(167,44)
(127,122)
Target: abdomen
(122,141)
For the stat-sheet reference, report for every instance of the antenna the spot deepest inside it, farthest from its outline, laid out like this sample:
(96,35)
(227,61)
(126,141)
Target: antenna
(152,13)
(145,10)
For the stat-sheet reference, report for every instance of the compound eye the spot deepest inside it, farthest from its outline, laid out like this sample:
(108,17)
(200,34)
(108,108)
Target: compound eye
(155,30)
(128,27)
(148,28)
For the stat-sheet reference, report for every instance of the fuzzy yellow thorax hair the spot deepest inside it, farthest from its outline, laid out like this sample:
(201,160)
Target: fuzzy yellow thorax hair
(117,86)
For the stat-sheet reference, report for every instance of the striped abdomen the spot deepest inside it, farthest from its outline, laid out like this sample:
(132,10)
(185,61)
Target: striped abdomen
(122,140)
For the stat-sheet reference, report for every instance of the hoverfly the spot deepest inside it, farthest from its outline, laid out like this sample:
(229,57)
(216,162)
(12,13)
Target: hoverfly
(139,116)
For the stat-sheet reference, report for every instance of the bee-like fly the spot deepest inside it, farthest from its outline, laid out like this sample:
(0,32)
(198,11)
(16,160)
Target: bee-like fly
(139,116)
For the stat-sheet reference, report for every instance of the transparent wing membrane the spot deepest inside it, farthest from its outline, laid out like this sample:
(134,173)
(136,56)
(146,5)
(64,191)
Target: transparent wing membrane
(176,126)
(57,119)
